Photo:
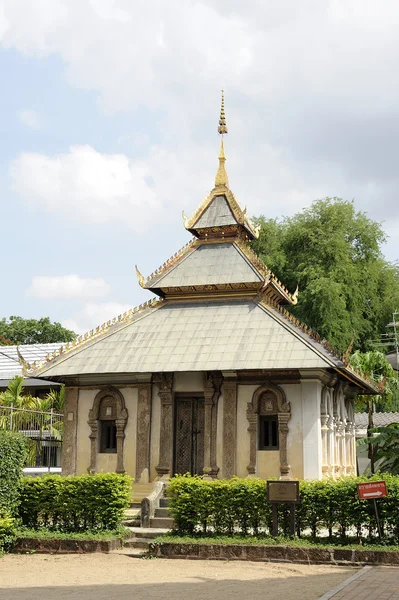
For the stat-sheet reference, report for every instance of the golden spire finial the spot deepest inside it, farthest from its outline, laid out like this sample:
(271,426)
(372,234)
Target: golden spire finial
(221,175)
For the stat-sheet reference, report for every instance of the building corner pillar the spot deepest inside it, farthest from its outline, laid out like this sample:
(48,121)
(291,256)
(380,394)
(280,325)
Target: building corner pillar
(69,450)
(165,383)
(229,424)
(143,435)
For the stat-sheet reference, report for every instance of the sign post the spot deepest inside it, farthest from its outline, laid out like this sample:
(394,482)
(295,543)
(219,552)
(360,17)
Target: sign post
(372,491)
(283,492)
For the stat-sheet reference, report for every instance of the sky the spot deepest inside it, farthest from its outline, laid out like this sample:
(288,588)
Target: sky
(108,131)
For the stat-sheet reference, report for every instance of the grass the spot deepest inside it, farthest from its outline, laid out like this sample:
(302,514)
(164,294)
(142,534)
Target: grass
(250,540)
(43,533)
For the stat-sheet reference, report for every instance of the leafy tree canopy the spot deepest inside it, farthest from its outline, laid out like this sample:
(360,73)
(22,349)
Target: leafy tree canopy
(33,331)
(375,364)
(347,289)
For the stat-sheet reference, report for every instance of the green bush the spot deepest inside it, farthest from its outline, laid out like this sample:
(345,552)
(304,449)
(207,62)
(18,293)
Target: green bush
(7,532)
(12,460)
(75,503)
(240,505)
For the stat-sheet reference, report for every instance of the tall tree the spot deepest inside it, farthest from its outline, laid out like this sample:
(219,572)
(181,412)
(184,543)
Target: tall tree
(347,290)
(17,330)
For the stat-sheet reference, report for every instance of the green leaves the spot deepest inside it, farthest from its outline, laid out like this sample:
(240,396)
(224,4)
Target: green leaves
(375,364)
(12,460)
(385,441)
(239,506)
(346,287)
(17,330)
(75,503)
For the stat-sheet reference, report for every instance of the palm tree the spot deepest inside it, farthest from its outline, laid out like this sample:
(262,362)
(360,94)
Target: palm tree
(32,415)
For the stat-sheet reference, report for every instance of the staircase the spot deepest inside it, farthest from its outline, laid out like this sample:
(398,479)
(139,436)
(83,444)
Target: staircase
(161,522)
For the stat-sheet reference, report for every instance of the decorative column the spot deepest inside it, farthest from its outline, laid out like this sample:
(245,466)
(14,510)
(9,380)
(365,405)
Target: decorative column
(331,444)
(70,431)
(348,448)
(208,398)
(229,425)
(143,436)
(283,418)
(324,444)
(165,383)
(253,430)
(120,439)
(217,386)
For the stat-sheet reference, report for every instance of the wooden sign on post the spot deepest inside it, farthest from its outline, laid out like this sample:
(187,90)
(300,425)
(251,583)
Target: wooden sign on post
(283,492)
(373,490)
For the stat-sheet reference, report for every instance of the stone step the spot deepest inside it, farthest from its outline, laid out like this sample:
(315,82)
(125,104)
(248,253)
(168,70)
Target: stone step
(136,522)
(162,512)
(140,491)
(132,512)
(164,502)
(146,532)
(143,543)
(132,552)
(161,522)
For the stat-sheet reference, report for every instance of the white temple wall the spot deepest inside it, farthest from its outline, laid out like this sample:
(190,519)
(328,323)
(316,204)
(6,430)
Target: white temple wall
(293,394)
(244,395)
(311,429)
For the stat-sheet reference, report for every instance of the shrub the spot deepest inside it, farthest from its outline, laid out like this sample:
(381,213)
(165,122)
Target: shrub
(7,532)
(12,460)
(240,505)
(75,503)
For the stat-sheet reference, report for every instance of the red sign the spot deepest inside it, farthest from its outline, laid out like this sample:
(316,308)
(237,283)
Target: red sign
(372,490)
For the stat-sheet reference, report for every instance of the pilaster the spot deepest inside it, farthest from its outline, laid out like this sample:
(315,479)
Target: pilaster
(69,452)
(229,424)
(165,393)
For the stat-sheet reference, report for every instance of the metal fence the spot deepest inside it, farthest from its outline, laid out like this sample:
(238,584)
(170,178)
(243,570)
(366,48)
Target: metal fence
(44,431)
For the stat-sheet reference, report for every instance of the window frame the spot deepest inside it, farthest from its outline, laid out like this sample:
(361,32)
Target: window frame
(261,442)
(103,449)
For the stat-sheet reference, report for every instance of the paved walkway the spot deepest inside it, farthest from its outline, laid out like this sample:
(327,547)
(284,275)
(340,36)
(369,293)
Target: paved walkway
(116,576)
(371,583)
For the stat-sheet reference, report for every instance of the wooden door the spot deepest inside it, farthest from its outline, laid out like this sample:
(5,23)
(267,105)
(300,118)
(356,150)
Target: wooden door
(189,435)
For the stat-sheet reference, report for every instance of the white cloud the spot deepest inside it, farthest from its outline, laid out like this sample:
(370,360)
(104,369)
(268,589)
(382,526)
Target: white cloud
(67,286)
(87,186)
(94,314)
(312,100)
(30,118)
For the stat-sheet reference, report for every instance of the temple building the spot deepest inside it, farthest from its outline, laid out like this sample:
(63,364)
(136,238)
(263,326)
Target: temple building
(212,376)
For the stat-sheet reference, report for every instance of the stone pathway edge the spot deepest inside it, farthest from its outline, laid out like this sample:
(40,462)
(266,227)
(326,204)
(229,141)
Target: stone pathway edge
(345,583)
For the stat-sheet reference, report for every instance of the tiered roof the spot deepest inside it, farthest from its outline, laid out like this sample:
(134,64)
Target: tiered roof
(221,308)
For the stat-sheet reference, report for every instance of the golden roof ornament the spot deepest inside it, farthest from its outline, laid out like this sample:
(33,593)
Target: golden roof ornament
(221,178)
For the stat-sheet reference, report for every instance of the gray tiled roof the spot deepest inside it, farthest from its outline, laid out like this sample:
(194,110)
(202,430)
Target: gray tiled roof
(217,214)
(379,419)
(9,362)
(210,264)
(225,335)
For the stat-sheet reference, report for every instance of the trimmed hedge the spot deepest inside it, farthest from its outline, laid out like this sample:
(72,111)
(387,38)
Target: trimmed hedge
(12,461)
(240,505)
(75,503)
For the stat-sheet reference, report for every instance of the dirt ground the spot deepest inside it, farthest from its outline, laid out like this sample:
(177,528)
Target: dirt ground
(109,576)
